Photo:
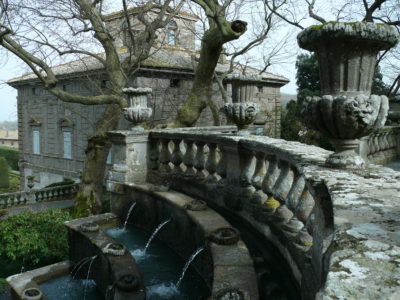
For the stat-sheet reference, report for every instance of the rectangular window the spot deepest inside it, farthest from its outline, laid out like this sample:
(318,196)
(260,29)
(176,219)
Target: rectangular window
(67,144)
(109,157)
(36,141)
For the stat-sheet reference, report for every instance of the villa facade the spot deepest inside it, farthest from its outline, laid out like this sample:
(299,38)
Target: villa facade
(53,134)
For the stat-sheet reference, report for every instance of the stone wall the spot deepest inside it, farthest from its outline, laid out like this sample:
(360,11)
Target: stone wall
(337,229)
(185,33)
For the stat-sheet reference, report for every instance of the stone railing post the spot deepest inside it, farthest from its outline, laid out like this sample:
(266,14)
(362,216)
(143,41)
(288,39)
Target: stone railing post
(129,154)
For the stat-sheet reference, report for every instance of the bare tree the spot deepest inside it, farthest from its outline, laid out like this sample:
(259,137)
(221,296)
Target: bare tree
(297,13)
(42,32)
(219,32)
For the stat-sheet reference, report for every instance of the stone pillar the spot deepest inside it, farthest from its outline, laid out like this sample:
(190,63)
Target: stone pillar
(129,152)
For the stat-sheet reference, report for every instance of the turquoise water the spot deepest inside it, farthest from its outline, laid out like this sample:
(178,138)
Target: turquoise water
(66,288)
(160,267)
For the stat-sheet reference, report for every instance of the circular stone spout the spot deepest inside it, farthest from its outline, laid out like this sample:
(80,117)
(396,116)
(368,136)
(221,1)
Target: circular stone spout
(90,227)
(225,236)
(197,205)
(127,282)
(32,294)
(114,249)
(230,294)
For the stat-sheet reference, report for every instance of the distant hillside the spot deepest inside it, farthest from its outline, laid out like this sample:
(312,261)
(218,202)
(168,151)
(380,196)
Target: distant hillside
(285,98)
(9,125)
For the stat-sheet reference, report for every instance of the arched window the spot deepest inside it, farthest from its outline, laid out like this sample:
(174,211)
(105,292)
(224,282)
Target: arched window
(171,33)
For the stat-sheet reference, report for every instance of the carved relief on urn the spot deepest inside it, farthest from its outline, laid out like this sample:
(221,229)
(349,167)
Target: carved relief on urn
(347,111)
(242,112)
(137,112)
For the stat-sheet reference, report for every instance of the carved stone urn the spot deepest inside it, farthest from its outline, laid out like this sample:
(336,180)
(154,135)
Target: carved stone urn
(243,87)
(137,112)
(347,111)
(242,114)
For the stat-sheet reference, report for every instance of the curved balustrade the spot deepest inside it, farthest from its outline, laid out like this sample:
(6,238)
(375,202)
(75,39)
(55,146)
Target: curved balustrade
(48,194)
(383,146)
(260,182)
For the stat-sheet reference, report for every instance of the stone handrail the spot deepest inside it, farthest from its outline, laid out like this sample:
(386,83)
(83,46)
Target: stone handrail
(325,222)
(382,146)
(47,194)
(260,181)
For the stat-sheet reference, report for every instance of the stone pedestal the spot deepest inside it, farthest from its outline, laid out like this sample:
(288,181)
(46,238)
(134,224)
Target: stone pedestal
(129,150)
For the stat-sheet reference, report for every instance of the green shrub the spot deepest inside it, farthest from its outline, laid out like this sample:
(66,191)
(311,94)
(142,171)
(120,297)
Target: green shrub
(4,180)
(34,237)
(11,155)
(3,285)
(61,183)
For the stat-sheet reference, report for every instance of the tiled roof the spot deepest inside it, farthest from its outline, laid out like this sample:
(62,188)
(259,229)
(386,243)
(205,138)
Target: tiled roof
(167,57)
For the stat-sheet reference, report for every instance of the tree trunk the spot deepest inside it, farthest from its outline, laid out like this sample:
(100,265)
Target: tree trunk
(211,48)
(197,100)
(89,198)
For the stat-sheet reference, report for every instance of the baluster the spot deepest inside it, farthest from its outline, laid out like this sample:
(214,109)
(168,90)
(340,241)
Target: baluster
(304,240)
(284,182)
(271,176)
(259,197)
(305,205)
(61,193)
(188,159)
(154,154)
(283,214)
(292,227)
(176,157)
(386,140)
(245,176)
(222,164)
(199,159)
(211,164)
(295,192)
(165,157)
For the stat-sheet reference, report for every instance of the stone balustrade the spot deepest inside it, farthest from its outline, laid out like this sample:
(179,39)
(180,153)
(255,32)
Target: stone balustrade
(261,183)
(337,229)
(48,194)
(382,146)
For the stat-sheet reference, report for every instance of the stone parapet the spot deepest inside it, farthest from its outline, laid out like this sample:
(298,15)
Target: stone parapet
(337,228)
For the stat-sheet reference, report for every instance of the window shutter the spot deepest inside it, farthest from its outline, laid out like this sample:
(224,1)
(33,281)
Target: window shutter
(36,141)
(67,144)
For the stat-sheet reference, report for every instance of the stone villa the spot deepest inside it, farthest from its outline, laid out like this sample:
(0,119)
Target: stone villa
(53,134)
(9,138)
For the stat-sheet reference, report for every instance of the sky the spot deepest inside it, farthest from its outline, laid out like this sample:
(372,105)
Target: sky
(8,95)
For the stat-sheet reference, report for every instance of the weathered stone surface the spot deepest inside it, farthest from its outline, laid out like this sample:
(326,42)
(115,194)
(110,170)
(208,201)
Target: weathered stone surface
(345,214)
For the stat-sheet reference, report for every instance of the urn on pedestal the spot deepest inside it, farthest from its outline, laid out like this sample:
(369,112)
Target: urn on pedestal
(347,111)
(242,111)
(137,112)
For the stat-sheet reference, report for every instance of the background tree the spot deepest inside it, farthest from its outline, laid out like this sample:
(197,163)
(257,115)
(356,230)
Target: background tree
(4,179)
(46,32)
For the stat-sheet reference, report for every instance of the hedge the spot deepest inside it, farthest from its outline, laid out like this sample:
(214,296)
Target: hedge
(11,155)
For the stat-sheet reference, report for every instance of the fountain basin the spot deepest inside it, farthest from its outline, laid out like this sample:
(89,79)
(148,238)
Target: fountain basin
(112,268)
(221,266)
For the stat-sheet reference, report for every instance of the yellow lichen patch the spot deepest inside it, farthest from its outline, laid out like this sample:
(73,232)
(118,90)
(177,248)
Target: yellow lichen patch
(271,203)
(308,244)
